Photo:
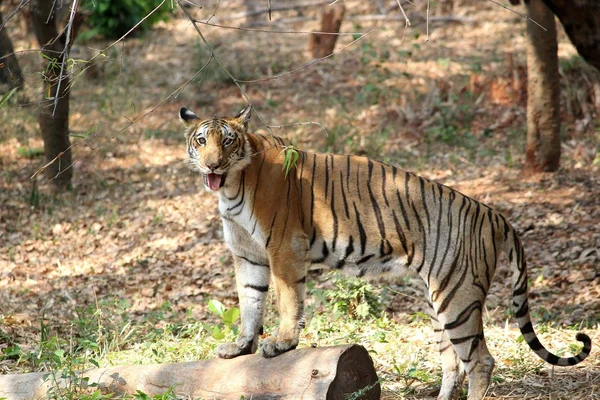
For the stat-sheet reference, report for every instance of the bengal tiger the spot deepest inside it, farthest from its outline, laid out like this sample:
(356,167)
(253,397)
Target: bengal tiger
(363,217)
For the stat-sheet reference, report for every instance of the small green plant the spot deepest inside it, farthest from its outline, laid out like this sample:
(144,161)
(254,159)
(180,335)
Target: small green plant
(228,317)
(113,19)
(30,152)
(290,158)
(352,297)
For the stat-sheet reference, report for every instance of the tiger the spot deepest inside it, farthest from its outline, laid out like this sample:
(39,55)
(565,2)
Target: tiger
(365,218)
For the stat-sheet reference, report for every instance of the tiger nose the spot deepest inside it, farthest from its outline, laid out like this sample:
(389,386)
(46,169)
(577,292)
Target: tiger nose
(213,165)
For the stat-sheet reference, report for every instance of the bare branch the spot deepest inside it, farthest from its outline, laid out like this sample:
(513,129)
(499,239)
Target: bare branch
(67,48)
(15,11)
(518,13)
(241,28)
(300,124)
(407,21)
(308,64)
(214,12)
(284,7)
(175,93)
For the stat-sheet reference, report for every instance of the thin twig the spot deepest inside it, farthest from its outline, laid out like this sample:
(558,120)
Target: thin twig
(241,28)
(175,93)
(275,8)
(427,25)
(214,12)
(212,53)
(308,64)
(518,13)
(407,21)
(269,2)
(65,52)
(50,13)
(299,123)
(12,14)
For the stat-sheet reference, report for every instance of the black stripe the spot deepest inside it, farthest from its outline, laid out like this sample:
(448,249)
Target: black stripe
(348,173)
(334,215)
(385,248)
(403,210)
(464,315)
(312,191)
(271,230)
(365,259)
(460,340)
(257,287)
(241,202)
(325,253)
(383,177)
(326,176)
(258,264)
(451,196)
(361,230)
(256,186)
(452,293)
(239,187)
(437,244)
(358,182)
(422,182)
(400,232)
(527,328)
(344,197)
(523,310)
(374,204)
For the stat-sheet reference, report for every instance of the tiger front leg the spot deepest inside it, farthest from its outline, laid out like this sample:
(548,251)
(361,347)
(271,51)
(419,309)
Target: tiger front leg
(252,279)
(290,286)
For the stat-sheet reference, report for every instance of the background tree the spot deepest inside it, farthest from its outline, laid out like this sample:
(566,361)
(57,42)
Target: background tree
(543,101)
(10,72)
(53,116)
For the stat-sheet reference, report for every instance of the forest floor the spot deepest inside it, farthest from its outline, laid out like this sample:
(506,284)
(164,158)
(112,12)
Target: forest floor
(134,253)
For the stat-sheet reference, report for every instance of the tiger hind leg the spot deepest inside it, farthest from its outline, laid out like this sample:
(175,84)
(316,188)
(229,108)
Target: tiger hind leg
(469,345)
(453,373)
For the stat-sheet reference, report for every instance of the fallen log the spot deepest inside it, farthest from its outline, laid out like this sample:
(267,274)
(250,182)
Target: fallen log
(309,373)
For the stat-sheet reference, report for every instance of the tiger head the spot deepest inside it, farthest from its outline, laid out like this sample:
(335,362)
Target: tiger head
(216,146)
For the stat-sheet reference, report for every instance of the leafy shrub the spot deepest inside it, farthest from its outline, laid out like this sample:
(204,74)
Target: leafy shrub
(112,19)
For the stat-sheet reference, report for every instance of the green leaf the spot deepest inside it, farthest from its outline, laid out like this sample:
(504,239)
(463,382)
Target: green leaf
(217,333)
(231,315)
(7,96)
(362,310)
(216,307)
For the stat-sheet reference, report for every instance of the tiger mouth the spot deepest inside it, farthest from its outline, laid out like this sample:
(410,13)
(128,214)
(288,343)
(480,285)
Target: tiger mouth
(214,181)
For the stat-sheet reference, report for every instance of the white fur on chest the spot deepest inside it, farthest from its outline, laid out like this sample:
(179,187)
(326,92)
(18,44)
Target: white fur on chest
(242,232)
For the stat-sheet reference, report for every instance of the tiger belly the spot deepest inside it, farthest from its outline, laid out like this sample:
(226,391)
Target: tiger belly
(348,257)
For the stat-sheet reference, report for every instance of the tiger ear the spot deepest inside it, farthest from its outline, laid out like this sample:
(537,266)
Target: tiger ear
(244,116)
(186,116)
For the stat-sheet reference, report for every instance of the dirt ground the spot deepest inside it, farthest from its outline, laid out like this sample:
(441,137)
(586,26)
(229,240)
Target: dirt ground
(139,226)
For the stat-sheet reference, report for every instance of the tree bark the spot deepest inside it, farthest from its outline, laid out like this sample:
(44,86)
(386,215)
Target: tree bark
(54,121)
(10,72)
(310,373)
(543,102)
(331,21)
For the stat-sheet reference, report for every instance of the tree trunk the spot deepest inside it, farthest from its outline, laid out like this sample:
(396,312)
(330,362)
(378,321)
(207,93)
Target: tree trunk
(581,20)
(54,121)
(543,103)
(310,373)
(10,72)
(331,20)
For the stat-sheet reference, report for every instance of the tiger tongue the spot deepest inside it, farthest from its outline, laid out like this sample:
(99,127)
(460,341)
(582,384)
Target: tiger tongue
(213,181)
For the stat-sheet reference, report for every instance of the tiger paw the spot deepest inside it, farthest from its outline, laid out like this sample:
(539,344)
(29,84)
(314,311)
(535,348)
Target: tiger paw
(242,346)
(272,347)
